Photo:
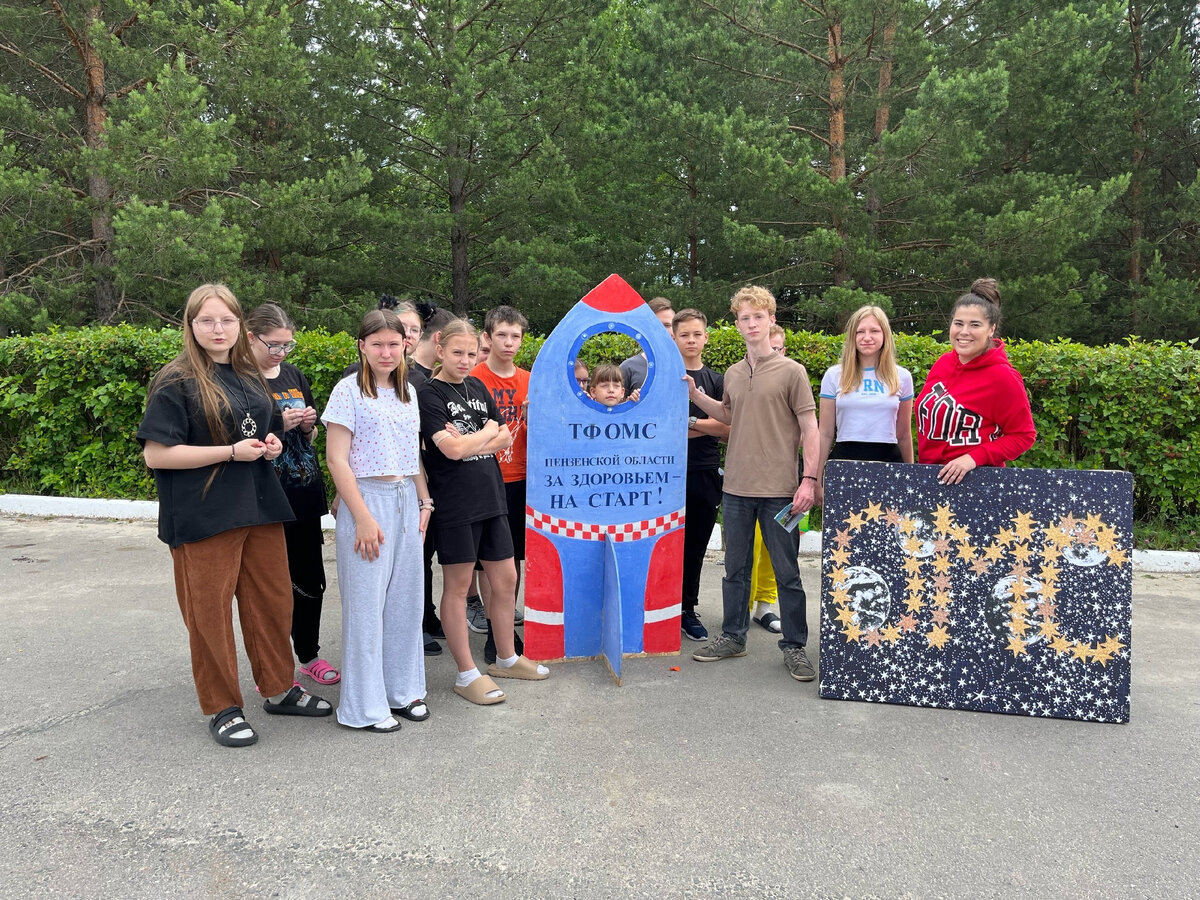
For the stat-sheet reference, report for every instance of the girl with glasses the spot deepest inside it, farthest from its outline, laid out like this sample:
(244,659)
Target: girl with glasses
(210,433)
(270,331)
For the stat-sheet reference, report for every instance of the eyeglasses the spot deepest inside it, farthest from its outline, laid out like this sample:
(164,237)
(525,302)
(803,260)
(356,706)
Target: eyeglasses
(229,323)
(584,382)
(779,349)
(277,349)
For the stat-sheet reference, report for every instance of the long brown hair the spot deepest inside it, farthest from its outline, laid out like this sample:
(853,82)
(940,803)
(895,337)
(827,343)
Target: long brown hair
(195,365)
(373,322)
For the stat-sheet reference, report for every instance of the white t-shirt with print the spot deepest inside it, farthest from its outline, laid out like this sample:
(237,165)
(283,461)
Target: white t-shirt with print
(867,414)
(386,430)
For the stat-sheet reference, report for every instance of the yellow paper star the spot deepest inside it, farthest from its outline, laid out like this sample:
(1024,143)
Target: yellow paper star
(853,633)
(1023,525)
(1111,644)
(1060,645)
(874,511)
(1006,536)
(1092,522)
(855,522)
(1102,656)
(941,563)
(966,551)
(1022,552)
(1106,540)
(938,637)
(1048,572)
(914,603)
(838,575)
(914,585)
(942,518)
(1016,646)
(841,596)
(994,552)
(912,565)
(942,599)
(840,556)
(1020,590)
(907,525)
(1049,591)
(1116,557)
(1048,629)
(960,533)
(1081,652)
(891,633)
(845,615)
(912,545)
(1018,623)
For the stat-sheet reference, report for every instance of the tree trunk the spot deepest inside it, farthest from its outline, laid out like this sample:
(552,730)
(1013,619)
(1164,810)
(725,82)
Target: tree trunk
(693,258)
(459,236)
(883,109)
(837,137)
(1136,213)
(99,190)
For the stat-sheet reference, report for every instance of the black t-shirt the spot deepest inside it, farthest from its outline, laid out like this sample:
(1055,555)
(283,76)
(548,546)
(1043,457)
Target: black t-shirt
(471,489)
(704,452)
(417,374)
(242,493)
(297,466)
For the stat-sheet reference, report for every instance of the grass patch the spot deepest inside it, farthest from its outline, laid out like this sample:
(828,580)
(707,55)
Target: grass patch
(1167,534)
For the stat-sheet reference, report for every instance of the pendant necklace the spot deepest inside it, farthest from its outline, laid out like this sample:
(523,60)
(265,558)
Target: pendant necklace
(249,426)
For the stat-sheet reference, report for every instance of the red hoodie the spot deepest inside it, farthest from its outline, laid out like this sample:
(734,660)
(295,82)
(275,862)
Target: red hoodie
(980,408)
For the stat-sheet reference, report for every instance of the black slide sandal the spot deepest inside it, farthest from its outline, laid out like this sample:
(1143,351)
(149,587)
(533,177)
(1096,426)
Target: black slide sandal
(221,727)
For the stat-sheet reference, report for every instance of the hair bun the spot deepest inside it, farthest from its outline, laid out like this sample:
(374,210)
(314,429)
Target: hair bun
(987,288)
(387,301)
(425,309)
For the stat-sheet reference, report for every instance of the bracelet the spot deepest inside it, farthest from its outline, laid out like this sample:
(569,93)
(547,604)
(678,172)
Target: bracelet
(307,433)
(427,503)
(813,477)
(232,452)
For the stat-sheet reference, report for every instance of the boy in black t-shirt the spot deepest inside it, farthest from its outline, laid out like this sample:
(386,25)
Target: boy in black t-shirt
(704,482)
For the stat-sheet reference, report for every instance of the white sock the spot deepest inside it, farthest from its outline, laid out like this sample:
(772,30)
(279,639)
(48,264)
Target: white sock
(237,727)
(512,661)
(389,722)
(762,607)
(464,679)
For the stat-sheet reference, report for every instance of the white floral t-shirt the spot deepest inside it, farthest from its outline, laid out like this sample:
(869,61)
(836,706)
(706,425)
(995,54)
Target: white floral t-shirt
(386,430)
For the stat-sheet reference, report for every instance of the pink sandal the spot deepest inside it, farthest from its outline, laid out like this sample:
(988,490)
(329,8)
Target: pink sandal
(321,672)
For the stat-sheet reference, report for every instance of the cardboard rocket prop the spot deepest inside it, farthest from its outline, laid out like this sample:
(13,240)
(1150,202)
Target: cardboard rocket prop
(1010,592)
(605,494)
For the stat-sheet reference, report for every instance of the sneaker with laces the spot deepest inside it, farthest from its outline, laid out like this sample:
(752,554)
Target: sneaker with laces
(476,617)
(798,665)
(724,647)
(690,625)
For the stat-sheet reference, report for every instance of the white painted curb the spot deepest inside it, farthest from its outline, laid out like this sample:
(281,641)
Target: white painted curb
(1158,561)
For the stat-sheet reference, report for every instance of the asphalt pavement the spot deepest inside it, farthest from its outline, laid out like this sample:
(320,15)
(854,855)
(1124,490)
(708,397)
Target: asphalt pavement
(691,779)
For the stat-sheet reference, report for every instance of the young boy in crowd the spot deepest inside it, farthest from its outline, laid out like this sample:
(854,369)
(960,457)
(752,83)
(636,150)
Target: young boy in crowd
(690,330)
(606,385)
(504,329)
(768,426)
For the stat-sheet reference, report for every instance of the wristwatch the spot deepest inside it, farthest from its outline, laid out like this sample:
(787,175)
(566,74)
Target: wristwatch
(692,421)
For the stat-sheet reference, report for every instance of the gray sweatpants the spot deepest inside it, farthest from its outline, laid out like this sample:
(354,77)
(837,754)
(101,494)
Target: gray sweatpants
(383,655)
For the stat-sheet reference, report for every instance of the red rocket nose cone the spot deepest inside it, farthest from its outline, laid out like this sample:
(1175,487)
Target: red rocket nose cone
(613,295)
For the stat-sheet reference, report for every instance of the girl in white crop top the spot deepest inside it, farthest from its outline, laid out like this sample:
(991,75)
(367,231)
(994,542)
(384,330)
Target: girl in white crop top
(866,399)
(372,449)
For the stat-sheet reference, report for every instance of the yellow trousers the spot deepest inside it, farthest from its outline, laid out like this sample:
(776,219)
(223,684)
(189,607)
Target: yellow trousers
(762,575)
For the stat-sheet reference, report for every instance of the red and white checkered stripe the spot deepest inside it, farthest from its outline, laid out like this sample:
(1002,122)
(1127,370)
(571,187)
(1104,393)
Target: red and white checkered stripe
(623,533)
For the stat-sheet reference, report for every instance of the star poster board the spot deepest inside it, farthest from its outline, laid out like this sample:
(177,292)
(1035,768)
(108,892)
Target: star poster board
(605,494)
(1010,592)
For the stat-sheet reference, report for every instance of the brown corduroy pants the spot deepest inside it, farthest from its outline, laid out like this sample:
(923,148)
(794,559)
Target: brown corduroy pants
(250,562)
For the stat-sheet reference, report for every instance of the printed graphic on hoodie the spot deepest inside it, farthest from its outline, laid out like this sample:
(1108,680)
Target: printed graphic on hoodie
(942,418)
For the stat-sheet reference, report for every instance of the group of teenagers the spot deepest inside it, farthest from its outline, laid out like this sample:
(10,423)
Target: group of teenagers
(425,445)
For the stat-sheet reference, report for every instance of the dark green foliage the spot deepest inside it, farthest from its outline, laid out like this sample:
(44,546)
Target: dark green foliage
(70,403)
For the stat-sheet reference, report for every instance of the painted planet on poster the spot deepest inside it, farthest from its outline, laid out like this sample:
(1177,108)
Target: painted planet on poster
(1086,555)
(869,597)
(923,532)
(999,610)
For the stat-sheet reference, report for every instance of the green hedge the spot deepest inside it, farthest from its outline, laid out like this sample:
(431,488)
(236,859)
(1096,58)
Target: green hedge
(70,403)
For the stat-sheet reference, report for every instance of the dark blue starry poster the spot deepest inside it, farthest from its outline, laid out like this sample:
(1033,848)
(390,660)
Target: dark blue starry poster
(1009,593)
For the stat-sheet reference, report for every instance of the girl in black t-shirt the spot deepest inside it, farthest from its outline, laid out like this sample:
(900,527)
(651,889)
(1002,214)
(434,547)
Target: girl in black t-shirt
(209,435)
(463,429)
(270,331)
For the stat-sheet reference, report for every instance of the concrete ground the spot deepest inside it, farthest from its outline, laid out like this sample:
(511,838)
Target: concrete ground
(720,779)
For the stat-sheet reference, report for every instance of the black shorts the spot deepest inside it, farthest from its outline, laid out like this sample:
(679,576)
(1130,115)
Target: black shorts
(488,540)
(863,451)
(514,495)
